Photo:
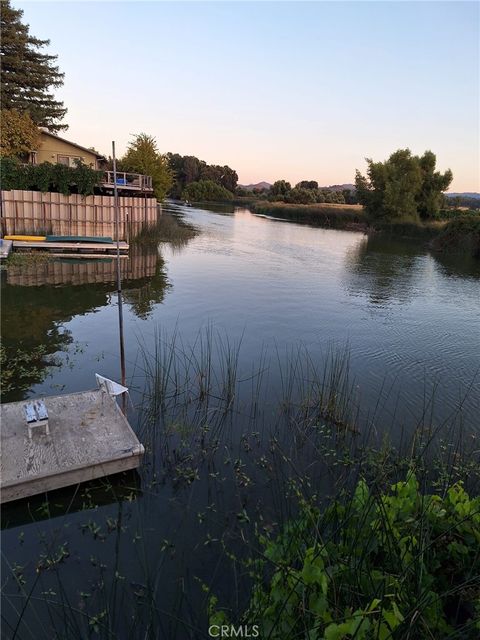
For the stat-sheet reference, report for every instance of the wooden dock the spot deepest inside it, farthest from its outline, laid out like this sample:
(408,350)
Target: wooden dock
(5,248)
(72,248)
(89,438)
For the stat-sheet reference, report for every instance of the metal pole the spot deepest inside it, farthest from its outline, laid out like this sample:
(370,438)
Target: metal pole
(119,276)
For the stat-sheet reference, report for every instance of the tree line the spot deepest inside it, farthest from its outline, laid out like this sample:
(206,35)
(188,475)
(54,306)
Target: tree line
(189,169)
(308,192)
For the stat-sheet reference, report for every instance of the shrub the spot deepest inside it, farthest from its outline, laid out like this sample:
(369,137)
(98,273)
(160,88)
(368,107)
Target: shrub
(48,177)
(300,196)
(460,235)
(206,191)
(378,564)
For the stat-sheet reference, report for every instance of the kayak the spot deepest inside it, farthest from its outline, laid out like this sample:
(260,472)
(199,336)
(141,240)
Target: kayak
(105,240)
(26,238)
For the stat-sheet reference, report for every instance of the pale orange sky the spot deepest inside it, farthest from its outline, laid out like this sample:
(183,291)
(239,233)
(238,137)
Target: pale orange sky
(274,90)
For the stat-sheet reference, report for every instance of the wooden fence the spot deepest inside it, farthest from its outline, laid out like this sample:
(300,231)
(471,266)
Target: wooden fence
(33,212)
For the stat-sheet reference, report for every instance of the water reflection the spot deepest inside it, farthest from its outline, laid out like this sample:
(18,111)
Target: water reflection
(387,270)
(125,486)
(37,300)
(384,271)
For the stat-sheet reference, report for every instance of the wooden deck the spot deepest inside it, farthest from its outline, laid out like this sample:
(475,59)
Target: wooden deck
(5,248)
(89,438)
(127,182)
(72,248)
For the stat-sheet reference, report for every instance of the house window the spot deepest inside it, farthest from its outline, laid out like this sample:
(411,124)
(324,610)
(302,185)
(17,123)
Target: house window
(68,161)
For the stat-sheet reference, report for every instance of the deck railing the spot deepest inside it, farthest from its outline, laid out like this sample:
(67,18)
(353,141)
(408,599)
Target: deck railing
(135,181)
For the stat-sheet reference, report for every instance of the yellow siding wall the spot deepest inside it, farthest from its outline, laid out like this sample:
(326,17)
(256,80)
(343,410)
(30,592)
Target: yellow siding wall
(50,148)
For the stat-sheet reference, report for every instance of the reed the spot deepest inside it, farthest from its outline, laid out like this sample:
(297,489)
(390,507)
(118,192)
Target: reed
(334,216)
(168,228)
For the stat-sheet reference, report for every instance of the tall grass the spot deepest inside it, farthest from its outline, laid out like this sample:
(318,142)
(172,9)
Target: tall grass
(334,216)
(168,228)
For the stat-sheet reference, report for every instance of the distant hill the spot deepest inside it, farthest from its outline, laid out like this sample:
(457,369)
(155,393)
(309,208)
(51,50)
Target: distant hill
(259,186)
(465,194)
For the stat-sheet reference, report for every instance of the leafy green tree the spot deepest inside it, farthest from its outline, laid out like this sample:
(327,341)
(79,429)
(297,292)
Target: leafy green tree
(307,184)
(333,197)
(188,169)
(19,134)
(350,196)
(27,75)
(391,188)
(229,178)
(300,196)
(430,197)
(206,191)
(280,188)
(143,156)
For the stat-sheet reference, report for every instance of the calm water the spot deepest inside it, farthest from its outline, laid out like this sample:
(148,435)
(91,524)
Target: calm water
(411,321)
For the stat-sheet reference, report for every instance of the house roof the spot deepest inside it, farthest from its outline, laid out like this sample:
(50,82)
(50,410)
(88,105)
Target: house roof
(74,144)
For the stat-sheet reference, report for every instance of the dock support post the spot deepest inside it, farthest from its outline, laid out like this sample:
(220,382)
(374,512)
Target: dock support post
(119,275)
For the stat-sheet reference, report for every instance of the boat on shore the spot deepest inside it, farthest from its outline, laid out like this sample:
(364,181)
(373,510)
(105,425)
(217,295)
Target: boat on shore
(97,239)
(21,238)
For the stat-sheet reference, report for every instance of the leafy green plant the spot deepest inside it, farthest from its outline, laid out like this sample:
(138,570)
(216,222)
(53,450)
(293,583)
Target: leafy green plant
(395,563)
(461,235)
(48,177)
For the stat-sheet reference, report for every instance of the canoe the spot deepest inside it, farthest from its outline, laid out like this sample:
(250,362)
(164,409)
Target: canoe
(105,240)
(26,238)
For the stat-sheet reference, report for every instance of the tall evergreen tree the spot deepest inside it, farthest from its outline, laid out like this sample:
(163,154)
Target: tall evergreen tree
(27,74)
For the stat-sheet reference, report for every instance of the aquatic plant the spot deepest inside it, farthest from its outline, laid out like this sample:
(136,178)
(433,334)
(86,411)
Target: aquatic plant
(241,484)
(168,228)
(392,562)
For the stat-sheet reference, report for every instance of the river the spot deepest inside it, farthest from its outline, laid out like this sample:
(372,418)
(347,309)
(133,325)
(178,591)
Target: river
(408,321)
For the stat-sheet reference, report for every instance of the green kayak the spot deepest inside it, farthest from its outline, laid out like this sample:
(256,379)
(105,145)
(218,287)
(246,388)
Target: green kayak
(99,240)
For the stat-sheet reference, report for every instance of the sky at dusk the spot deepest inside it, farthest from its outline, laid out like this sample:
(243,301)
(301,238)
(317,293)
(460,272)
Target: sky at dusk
(272,89)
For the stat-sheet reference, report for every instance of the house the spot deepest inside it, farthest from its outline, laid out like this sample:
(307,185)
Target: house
(55,149)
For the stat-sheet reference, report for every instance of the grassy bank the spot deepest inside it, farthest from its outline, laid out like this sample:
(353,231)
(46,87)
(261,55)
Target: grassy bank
(457,232)
(333,216)
(461,235)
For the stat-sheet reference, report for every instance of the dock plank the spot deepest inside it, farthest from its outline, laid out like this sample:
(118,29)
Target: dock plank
(89,438)
(94,247)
